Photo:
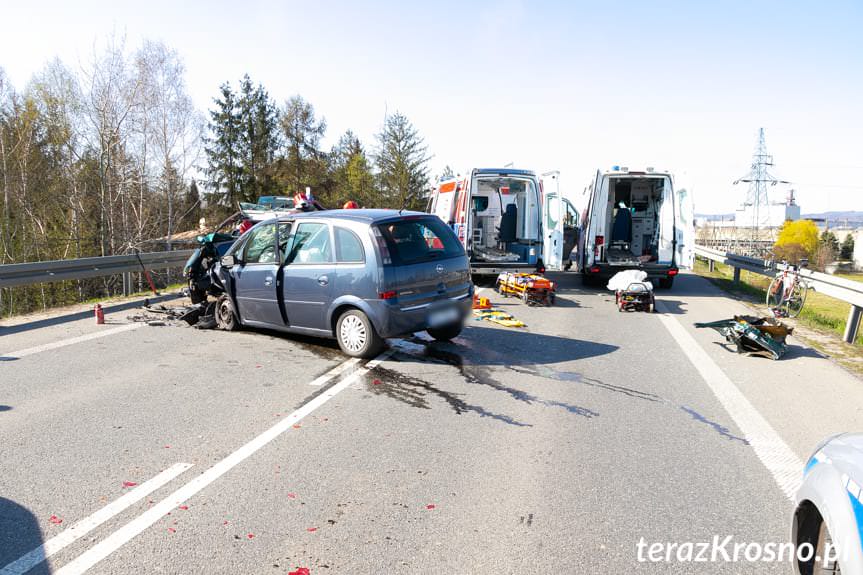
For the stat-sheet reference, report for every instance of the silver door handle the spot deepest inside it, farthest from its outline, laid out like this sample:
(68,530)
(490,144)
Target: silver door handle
(323,280)
(268,281)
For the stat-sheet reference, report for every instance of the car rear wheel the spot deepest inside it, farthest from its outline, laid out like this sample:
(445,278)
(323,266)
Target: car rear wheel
(666,283)
(446,332)
(357,336)
(226,316)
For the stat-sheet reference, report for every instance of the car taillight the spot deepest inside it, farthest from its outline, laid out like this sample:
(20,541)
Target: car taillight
(594,270)
(387,294)
(382,247)
(599,240)
(540,270)
(672,272)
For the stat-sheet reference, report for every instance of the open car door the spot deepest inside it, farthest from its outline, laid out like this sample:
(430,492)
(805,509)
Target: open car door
(552,222)
(685,229)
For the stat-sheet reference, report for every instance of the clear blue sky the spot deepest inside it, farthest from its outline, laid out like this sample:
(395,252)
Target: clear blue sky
(573,86)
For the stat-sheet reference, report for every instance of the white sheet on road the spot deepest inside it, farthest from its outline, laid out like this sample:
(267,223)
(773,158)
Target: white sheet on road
(622,280)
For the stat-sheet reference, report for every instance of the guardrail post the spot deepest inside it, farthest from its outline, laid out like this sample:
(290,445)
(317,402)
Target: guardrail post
(736,275)
(711,266)
(853,324)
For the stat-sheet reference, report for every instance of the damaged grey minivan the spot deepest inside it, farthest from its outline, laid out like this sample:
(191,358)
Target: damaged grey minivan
(356,275)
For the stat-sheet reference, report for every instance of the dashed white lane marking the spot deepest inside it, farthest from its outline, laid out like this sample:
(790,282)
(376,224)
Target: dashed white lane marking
(81,528)
(774,453)
(135,527)
(339,369)
(70,341)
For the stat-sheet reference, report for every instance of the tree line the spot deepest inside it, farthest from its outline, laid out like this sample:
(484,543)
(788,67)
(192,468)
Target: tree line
(114,157)
(256,147)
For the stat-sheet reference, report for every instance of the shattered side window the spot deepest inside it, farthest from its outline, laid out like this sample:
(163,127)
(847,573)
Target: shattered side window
(284,239)
(261,246)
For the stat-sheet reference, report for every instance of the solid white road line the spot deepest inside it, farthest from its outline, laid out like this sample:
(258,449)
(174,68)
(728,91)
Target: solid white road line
(135,527)
(339,369)
(81,528)
(70,341)
(774,453)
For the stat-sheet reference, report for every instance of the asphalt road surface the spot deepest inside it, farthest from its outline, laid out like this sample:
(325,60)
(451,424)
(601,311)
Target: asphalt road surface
(555,448)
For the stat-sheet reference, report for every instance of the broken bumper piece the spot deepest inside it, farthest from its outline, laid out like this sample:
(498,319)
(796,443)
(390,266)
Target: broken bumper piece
(753,335)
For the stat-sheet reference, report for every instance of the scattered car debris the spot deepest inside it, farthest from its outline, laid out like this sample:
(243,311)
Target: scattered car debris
(497,316)
(199,267)
(753,335)
(200,315)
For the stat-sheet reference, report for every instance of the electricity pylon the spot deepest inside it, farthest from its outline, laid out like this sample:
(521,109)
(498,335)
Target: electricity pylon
(759,179)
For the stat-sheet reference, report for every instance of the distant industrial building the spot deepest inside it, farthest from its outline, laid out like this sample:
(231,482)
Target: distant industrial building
(770,214)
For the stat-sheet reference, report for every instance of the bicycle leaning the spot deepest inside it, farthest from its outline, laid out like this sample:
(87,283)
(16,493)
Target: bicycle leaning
(786,294)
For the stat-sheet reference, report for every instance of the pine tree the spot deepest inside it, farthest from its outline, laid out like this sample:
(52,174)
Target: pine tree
(351,172)
(402,163)
(223,148)
(846,252)
(829,240)
(259,139)
(302,132)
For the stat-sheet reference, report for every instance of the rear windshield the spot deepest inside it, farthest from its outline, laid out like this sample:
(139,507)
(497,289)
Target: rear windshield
(419,240)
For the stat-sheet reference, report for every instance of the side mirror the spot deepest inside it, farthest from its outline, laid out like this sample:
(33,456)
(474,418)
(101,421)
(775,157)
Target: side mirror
(228,261)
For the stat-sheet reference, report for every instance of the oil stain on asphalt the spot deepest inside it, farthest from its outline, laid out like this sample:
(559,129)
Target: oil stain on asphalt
(479,374)
(414,392)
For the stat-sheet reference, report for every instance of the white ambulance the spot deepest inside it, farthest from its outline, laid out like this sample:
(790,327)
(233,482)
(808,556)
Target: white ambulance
(508,219)
(635,220)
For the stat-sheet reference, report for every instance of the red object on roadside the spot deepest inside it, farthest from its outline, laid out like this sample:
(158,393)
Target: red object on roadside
(55,520)
(100,315)
(300,571)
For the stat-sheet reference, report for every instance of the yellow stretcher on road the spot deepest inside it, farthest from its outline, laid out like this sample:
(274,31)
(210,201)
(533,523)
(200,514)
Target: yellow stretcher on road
(533,289)
(498,317)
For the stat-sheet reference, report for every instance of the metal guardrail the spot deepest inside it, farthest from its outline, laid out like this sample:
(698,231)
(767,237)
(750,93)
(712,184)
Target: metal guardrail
(62,270)
(842,289)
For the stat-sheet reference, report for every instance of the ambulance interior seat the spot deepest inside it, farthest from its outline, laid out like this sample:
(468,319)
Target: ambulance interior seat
(508,221)
(621,231)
